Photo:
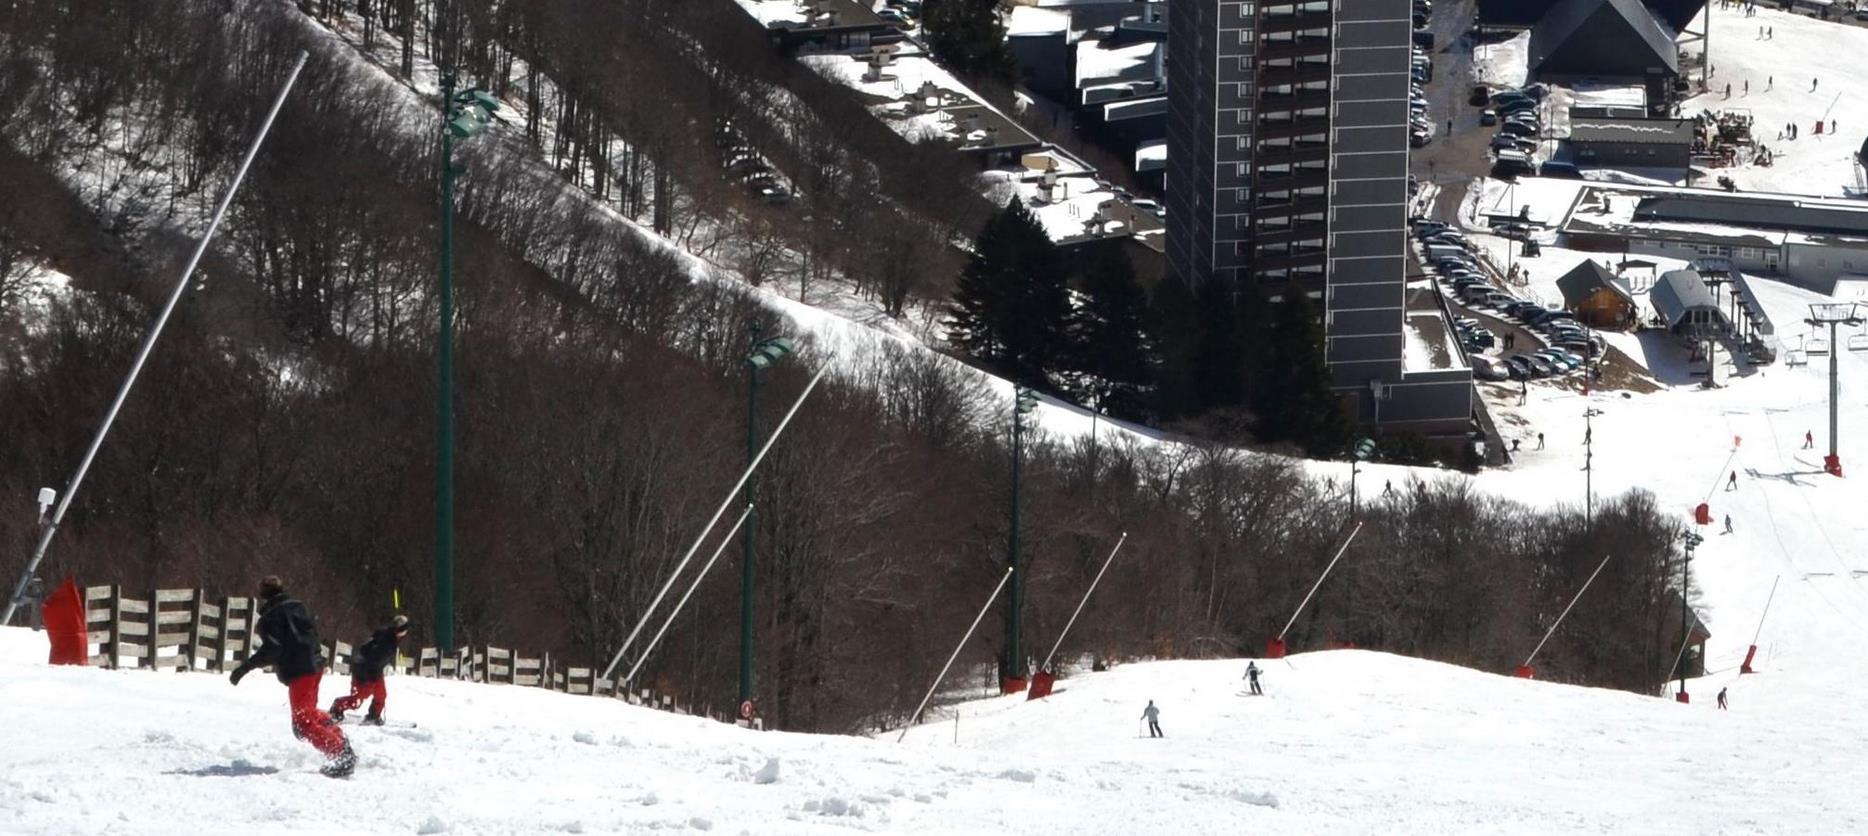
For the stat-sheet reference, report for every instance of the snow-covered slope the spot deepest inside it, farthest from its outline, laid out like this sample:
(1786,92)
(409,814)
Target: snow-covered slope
(1345,742)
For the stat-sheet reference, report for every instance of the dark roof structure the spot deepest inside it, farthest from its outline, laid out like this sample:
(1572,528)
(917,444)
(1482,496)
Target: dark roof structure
(1786,214)
(1634,131)
(1675,13)
(1611,38)
(1585,279)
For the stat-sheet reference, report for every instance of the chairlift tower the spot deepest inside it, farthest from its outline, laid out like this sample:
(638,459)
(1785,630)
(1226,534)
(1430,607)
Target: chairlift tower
(1833,314)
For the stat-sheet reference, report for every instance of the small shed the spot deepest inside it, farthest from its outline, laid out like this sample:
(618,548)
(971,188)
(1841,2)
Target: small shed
(1623,142)
(1686,306)
(1693,658)
(1599,298)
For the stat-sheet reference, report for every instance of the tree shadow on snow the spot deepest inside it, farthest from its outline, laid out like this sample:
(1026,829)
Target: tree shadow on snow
(237,769)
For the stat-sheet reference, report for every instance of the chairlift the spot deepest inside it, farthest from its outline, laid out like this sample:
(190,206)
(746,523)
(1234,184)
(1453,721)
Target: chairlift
(1858,342)
(1794,358)
(1817,347)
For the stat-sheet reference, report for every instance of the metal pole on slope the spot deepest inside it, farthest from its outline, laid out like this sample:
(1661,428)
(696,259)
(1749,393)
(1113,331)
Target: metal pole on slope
(769,441)
(698,577)
(1686,632)
(1752,651)
(1275,648)
(149,343)
(1086,599)
(1525,669)
(956,652)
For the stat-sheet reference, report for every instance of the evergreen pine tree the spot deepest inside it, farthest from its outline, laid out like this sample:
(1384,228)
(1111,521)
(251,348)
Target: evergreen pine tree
(1219,361)
(1112,350)
(1299,404)
(1174,319)
(968,37)
(1011,305)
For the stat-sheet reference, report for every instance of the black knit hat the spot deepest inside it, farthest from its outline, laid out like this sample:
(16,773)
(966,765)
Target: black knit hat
(271,586)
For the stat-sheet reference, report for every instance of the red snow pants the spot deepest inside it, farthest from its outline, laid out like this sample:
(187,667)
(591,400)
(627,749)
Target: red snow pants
(375,692)
(310,723)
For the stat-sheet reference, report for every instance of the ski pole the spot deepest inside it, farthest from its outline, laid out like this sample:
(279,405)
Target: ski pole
(1086,599)
(956,653)
(149,344)
(776,432)
(698,577)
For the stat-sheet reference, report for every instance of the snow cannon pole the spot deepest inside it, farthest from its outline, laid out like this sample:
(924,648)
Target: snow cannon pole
(1086,599)
(956,654)
(698,577)
(1752,651)
(773,439)
(149,343)
(1279,641)
(1565,614)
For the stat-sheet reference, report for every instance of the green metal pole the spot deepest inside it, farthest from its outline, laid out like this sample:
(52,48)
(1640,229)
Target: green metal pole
(749,541)
(444,422)
(1014,653)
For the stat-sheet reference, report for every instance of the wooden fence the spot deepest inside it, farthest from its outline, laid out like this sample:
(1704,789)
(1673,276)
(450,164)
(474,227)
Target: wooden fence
(186,630)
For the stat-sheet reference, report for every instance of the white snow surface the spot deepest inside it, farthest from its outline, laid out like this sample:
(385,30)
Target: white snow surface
(1344,742)
(1504,64)
(1801,49)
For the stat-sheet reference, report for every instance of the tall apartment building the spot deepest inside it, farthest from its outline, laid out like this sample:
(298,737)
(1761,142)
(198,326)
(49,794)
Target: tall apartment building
(1287,173)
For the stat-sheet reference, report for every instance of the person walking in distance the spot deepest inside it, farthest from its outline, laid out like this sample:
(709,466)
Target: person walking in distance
(1809,439)
(1251,675)
(366,672)
(1728,523)
(289,643)
(1721,699)
(1540,441)
(1731,482)
(1153,716)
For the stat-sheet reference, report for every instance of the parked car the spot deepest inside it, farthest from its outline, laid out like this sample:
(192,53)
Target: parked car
(1488,117)
(1427,226)
(1510,106)
(1485,368)
(1521,367)
(1518,129)
(1562,362)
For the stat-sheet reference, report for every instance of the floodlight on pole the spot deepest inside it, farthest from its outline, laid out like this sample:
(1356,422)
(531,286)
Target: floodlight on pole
(764,354)
(1012,678)
(464,114)
(1364,448)
(46,495)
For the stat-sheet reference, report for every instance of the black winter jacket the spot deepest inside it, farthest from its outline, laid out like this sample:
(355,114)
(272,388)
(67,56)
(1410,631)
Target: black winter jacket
(366,665)
(288,640)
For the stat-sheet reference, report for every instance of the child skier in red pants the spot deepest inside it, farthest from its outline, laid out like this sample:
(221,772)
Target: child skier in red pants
(366,672)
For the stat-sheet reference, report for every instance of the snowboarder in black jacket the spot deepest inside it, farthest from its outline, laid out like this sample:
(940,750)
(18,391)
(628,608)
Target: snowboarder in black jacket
(366,672)
(289,643)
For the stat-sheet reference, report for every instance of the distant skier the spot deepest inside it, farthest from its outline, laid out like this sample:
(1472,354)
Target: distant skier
(1540,441)
(1251,674)
(1728,523)
(366,672)
(1721,699)
(1153,716)
(1809,439)
(1731,483)
(289,642)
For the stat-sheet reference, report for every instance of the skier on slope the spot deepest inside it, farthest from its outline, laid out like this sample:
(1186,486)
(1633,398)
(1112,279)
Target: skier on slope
(289,642)
(366,672)
(1251,675)
(1153,716)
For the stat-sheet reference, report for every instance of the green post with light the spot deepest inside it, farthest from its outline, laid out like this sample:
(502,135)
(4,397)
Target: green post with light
(764,353)
(464,115)
(1024,401)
